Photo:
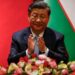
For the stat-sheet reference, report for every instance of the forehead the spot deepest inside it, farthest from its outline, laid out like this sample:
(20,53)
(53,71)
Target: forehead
(39,11)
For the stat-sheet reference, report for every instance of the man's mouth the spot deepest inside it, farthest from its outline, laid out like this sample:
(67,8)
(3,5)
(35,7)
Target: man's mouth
(38,24)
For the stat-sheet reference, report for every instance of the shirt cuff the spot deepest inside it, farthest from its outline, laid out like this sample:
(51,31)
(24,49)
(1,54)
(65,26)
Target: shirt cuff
(27,53)
(46,51)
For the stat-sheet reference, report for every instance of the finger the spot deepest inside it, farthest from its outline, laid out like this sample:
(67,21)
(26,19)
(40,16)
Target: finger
(41,40)
(31,36)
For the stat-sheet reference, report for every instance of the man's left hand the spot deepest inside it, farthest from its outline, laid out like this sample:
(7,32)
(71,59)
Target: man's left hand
(41,44)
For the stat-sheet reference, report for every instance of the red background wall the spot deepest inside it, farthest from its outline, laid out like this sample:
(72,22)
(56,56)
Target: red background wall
(13,17)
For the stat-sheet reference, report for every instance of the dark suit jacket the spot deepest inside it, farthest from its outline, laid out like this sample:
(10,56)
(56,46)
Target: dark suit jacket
(53,40)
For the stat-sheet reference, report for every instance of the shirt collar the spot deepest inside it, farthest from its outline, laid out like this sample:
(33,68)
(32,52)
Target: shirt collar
(40,35)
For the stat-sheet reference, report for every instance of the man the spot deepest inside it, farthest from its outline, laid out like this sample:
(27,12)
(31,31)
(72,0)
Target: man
(49,42)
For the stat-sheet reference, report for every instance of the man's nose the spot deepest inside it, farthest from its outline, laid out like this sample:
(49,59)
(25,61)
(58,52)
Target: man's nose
(38,19)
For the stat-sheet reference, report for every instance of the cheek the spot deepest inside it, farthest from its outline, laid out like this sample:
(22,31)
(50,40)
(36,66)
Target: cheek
(46,21)
(31,19)
(31,22)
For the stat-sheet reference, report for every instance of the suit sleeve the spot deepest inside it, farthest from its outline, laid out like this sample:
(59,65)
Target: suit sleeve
(15,54)
(60,52)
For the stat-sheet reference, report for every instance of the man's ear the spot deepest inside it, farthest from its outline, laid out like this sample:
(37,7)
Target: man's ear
(28,14)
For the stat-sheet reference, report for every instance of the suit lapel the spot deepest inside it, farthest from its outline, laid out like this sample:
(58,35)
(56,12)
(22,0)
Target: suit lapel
(49,38)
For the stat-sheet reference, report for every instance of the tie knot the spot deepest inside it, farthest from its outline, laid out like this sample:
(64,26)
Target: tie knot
(36,37)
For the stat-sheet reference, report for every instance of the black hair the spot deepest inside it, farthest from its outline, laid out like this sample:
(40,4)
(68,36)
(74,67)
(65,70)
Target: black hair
(37,0)
(39,4)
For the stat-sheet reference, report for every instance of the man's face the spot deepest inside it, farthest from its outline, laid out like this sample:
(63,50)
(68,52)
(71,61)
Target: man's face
(38,19)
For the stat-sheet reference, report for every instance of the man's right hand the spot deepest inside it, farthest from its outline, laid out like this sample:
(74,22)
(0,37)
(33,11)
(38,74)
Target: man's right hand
(30,44)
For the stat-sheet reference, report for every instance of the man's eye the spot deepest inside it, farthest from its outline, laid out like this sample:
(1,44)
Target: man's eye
(42,16)
(34,15)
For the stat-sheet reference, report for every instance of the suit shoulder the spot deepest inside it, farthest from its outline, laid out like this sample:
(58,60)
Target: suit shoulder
(21,33)
(54,32)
